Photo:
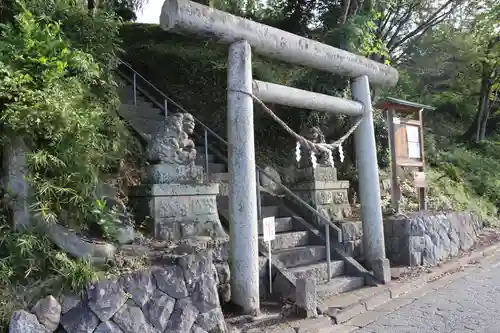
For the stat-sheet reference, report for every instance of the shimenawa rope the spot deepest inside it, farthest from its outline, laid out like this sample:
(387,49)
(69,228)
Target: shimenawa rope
(316,147)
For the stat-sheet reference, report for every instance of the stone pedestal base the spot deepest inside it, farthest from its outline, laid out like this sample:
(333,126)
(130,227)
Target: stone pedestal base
(174,174)
(320,188)
(179,211)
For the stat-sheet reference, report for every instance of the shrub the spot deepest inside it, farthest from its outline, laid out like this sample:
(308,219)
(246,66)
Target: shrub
(63,103)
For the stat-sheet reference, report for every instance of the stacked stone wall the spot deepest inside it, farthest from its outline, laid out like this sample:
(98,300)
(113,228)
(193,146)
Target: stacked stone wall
(180,297)
(419,238)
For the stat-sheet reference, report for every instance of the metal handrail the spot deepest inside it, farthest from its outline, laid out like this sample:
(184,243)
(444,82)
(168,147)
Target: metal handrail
(171,101)
(168,100)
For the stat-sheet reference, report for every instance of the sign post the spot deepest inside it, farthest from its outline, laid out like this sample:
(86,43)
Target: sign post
(269,230)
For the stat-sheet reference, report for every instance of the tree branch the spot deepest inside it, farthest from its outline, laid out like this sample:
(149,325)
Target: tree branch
(346,4)
(399,24)
(436,18)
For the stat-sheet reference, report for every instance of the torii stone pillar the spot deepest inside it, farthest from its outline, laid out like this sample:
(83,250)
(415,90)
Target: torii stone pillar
(187,17)
(242,194)
(369,189)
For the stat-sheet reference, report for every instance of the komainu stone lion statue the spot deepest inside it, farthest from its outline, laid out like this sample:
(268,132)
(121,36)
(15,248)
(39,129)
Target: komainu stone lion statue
(171,144)
(313,134)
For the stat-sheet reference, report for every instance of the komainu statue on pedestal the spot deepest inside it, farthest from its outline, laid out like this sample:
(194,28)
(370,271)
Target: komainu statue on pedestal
(313,134)
(171,144)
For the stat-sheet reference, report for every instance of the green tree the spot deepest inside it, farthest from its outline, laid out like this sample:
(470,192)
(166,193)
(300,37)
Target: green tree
(486,30)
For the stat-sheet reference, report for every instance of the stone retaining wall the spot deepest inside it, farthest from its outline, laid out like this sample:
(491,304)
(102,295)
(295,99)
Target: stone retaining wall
(180,297)
(427,239)
(419,238)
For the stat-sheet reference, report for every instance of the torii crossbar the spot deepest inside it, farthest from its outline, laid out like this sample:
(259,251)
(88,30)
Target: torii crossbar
(187,17)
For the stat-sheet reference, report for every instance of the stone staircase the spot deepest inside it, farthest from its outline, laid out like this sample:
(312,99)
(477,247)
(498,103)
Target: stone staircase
(296,246)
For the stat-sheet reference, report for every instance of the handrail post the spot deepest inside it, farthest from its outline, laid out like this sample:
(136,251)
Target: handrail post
(259,206)
(165,104)
(135,89)
(205,134)
(328,252)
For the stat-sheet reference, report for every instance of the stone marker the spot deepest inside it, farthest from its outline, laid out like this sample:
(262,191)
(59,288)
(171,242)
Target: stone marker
(305,297)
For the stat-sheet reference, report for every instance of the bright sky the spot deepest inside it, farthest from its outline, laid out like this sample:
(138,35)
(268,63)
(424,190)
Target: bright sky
(151,12)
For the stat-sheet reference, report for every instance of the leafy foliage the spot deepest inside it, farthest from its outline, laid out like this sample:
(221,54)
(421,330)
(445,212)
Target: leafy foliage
(30,256)
(106,219)
(30,259)
(57,93)
(62,103)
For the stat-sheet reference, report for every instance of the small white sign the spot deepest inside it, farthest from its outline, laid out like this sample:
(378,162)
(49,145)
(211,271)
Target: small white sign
(268,228)
(413,133)
(396,120)
(413,150)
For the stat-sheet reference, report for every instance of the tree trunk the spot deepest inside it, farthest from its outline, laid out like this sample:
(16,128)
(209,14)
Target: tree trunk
(482,108)
(486,113)
(469,134)
(477,129)
(92,6)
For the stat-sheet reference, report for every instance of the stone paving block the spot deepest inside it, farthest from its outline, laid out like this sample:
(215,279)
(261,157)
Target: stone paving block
(399,289)
(394,304)
(343,300)
(343,329)
(341,316)
(377,300)
(366,318)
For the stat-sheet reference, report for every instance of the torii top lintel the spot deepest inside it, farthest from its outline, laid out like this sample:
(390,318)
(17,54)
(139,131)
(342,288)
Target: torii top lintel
(184,17)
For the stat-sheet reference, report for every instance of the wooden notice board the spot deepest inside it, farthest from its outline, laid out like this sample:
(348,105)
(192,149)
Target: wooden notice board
(409,151)
(405,127)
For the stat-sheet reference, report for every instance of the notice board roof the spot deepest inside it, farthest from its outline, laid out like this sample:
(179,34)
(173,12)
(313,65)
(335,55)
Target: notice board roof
(401,105)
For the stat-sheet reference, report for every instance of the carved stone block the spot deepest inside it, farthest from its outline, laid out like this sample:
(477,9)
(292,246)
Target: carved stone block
(329,198)
(179,211)
(324,197)
(320,173)
(174,173)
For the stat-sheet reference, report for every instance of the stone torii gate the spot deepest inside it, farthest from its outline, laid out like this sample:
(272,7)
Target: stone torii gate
(186,17)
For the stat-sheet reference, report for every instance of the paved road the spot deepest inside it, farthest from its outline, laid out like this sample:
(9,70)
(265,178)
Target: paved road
(469,304)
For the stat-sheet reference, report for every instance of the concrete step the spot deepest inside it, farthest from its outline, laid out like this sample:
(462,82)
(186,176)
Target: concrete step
(268,211)
(339,285)
(222,177)
(154,121)
(215,167)
(141,103)
(200,150)
(319,271)
(144,114)
(300,256)
(143,127)
(151,125)
(127,96)
(200,158)
(283,224)
(286,240)
(141,111)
